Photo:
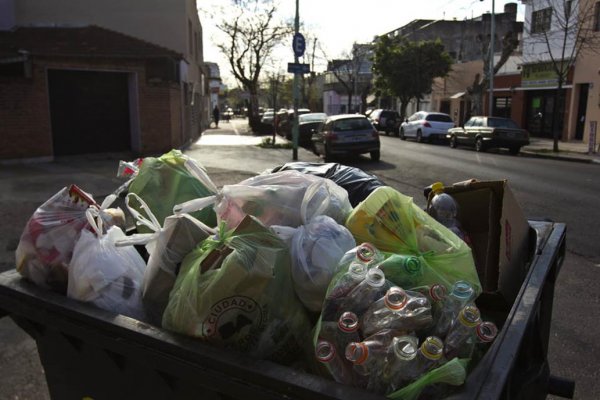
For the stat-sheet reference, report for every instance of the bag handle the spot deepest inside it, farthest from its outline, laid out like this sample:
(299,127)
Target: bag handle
(194,205)
(149,220)
(96,224)
(199,173)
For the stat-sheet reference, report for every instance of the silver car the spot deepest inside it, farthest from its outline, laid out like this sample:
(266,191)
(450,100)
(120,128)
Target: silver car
(425,126)
(346,134)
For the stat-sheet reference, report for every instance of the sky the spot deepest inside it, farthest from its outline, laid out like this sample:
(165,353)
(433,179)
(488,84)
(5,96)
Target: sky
(337,24)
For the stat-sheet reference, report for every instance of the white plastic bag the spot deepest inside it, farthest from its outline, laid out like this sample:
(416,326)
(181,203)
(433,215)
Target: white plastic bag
(105,275)
(287,198)
(316,249)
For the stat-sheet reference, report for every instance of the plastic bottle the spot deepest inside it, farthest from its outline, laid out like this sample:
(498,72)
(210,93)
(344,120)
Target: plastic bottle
(404,271)
(368,358)
(333,300)
(347,331)
(475,348)
(396,372)
(462,293)
(337,366)
(398,309)
(428,357)
(444,209)
(368,254)
(366,292)
(463,329)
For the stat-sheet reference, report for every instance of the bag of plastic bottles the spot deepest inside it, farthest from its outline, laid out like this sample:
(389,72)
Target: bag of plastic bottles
(167,246)
(235,290)
(286,198)
(105,275)
(46,244)
(172,179)
(316,249)
(393,223)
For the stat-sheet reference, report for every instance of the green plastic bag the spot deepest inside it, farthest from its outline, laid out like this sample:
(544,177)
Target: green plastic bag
(452,373)
(237,292)
(393,223)
(169,180)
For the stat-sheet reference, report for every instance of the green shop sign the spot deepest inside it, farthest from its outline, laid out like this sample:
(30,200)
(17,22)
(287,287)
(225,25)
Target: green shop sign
(539,75)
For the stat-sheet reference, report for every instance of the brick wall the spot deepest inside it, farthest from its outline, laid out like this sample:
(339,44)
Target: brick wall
(25,130)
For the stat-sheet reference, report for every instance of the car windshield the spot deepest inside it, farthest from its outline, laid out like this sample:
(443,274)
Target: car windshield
(502,123)
(439,118)
(317,117)
(352,124)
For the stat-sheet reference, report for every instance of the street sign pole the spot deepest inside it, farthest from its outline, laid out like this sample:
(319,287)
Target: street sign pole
(296,88)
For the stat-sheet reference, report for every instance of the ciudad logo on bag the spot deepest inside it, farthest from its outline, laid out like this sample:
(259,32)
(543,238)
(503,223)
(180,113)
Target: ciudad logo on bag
(235,315)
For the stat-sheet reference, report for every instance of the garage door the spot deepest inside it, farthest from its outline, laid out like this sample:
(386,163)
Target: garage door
(89,112)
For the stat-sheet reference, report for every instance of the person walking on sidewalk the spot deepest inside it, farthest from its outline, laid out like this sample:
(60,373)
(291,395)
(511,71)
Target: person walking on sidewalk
(216,114)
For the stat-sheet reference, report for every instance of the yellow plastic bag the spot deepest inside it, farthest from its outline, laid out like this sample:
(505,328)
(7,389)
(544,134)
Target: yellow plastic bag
(393,223)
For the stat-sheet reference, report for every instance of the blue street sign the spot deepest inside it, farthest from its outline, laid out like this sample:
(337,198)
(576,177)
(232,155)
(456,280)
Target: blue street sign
(297,68)
(298,45)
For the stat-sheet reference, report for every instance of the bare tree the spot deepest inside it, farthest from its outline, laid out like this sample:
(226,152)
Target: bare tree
(558,32)
(252,31)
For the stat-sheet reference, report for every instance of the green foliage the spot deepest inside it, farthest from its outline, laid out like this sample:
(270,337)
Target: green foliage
(406,69)
(267,143)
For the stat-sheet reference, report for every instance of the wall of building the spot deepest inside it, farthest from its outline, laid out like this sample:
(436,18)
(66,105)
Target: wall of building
(26,131)
(587,71)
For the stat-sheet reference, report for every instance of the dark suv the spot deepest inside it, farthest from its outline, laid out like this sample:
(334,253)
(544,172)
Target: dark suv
(386,121)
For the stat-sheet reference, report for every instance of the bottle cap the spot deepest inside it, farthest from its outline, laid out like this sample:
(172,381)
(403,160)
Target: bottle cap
(469,316)
(357,269)
(325,351)
(348,322)
(405,347)
(437,187)
(432,348)
(412,265)
(395,299)
(375,277)
(486,331)
(462,290)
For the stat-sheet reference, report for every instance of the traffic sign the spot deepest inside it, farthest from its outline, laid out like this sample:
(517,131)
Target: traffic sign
(298,45)
(297,68)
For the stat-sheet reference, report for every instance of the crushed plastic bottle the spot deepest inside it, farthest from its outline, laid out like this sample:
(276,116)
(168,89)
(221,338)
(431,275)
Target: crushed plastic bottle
(477,345)
(335,297)
(366,292)
(463,329)
(340,370)
(368,358)
(396,371)
(404,271)
(443,208)
(429,356)
(462,293)
(398,309)
(347,331)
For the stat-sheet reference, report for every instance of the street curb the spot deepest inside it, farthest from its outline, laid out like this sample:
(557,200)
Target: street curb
(559,157)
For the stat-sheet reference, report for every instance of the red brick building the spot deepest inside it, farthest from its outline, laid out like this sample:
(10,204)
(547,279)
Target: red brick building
(88,90)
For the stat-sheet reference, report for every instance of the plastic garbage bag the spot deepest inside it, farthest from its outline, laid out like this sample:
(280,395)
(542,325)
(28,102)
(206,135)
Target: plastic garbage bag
(393,223)
(171,179)
(105,275)
(287,198)
(46,244)
(316,249)
(167,247)
(358,183)
(236,291)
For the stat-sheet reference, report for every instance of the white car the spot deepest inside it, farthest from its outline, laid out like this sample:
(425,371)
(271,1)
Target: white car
(425,125)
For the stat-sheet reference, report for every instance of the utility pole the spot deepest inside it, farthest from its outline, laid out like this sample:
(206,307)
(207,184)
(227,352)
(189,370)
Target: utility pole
(295,126)
(492,40)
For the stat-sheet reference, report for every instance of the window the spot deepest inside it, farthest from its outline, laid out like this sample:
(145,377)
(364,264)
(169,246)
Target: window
(540,20)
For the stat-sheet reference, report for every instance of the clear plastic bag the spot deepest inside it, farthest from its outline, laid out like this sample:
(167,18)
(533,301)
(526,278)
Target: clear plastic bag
(105,275)
(46,244)
(316,251)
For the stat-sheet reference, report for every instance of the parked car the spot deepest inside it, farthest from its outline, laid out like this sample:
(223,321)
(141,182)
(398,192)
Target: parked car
(489,132)
(425,126)
(307,125)
(387,121)
(287,121)
(346,134)
(267,117)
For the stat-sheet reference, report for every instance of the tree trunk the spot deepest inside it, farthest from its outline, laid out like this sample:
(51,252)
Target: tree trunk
(556,110)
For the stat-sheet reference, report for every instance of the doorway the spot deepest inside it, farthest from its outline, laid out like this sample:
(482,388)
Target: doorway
(581,110)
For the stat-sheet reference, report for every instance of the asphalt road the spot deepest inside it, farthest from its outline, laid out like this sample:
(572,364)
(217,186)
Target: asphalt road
(559,190)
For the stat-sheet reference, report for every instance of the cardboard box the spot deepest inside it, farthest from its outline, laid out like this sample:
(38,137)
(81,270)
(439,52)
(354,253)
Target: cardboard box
(499,232)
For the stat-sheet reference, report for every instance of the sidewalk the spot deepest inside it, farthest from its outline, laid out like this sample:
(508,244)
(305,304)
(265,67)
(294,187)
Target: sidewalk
(568,151)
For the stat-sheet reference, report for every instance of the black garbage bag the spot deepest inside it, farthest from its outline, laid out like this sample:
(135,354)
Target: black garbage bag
(357,182)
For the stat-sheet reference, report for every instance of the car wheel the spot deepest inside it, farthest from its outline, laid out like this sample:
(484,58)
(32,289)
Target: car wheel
(375,155)
(402,137)
(453,141)
(514,150)
(479,145)
(419,136)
